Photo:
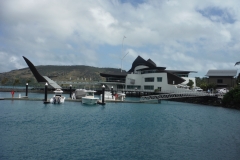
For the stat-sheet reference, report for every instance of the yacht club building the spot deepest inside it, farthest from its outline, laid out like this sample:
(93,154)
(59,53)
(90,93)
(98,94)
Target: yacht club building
(145,76)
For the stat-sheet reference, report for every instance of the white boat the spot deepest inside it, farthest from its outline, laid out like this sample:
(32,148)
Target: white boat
(79,93)
(57,98)
(113,97)
(89,97)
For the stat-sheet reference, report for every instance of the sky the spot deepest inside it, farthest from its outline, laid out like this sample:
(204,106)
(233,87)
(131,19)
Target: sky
(196,35)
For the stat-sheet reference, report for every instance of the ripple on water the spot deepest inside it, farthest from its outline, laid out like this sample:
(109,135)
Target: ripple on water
(171,130)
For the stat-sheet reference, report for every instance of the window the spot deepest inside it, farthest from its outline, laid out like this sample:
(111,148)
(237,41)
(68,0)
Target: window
(159,79)
(133,87)
(148,87)
(219,81)
(149,79)
(120,86)
(115,79)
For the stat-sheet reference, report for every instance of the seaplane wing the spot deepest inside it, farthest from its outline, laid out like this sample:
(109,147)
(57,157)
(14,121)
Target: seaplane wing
(39,77)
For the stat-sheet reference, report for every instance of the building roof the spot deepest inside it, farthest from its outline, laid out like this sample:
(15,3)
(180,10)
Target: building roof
(120,74)
(150,61)
(140,61)
(179,71)
(158,68)
(227,73)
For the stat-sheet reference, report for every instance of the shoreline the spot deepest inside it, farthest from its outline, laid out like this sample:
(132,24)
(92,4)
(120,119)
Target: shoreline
(209,101)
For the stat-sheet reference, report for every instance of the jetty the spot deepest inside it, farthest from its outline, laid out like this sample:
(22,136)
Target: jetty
(68,100)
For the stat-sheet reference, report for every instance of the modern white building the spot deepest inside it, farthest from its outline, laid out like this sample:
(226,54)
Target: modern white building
(145,76)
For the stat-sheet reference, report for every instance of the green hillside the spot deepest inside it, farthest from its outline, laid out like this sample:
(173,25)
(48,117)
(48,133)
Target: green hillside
(75,73)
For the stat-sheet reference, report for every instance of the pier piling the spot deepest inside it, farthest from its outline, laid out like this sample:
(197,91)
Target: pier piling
(103,92)
(45,99)
(26,89)
(70,91)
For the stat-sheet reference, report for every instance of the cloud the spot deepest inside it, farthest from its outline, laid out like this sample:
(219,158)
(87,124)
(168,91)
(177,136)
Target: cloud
(218,15)
(196,35)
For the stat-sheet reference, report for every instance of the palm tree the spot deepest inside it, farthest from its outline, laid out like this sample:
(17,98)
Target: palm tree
(237,63)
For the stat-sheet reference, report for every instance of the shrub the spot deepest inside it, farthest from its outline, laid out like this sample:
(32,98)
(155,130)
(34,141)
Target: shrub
(232,97)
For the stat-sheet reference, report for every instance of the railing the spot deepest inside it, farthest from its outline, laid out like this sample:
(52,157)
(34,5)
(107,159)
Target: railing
(174,95)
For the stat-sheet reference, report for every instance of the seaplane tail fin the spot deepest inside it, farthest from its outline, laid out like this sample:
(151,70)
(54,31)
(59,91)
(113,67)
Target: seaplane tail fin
(39,77)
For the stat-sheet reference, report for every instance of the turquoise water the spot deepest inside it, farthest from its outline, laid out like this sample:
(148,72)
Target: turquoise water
(171,130)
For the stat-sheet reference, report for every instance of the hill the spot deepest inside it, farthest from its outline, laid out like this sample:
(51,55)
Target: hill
(75,73)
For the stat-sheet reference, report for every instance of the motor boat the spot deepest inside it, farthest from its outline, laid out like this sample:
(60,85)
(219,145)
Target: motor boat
(79,93)
(57,98)
(89,98)
(108,96)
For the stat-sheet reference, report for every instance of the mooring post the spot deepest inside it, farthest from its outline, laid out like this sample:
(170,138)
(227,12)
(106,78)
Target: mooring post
(46,87)
(26,89)
(112,90)
(103,92)
(70,91)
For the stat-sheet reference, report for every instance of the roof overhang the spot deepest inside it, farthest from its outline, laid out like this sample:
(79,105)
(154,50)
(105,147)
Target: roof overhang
(119,75)
(221,73)
(157,68)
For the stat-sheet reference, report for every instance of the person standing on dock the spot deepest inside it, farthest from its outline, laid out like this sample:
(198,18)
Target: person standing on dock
(12,92)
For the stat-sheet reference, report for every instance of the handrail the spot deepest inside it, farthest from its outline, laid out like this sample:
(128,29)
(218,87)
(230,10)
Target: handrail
(174,95)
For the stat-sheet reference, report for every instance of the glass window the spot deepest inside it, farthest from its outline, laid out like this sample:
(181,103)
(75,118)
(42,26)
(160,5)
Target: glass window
(133,87)
(159,79)
(219,81)
(149,79)
(148,87)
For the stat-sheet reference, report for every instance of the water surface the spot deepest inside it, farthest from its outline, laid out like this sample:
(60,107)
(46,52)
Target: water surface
(171,130)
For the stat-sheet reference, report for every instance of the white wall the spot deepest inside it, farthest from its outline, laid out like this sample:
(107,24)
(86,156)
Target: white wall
(187,80)
(139,67)
(140,81)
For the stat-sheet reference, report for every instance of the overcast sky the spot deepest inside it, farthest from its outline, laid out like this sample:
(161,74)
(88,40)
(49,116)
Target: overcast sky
(195,35)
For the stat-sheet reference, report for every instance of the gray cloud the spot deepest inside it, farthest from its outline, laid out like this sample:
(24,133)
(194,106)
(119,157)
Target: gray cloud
(196,35)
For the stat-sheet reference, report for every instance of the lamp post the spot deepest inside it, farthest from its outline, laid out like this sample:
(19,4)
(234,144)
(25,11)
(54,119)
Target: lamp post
(46,87)
(122,52)
(26,89)
(112,91)
(103,92)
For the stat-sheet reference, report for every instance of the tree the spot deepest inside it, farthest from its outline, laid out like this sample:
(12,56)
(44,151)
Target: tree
(28,81)
(211,85)
(4,81)
(190,83)
(232,97)
(15,82)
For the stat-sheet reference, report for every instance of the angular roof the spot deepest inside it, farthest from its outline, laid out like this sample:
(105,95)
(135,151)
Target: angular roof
(226,73)
(150,61)
(140,61)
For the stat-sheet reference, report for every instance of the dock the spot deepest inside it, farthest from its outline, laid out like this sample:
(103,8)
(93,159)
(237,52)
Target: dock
(67,100)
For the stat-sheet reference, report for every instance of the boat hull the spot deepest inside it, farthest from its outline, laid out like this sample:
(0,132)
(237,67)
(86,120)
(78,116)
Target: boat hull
(89,101)
(57,100)
(79,93)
